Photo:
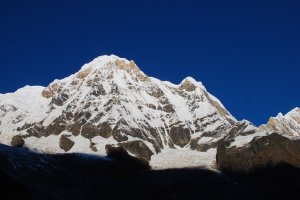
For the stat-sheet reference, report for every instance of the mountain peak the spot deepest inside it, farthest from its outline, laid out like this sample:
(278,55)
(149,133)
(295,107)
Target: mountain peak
(190,84)
(111,61)
(103,59)
(288,124)
(191,80)
(297,109)
(111,65)
(279,115)
(293,112)
(294,115)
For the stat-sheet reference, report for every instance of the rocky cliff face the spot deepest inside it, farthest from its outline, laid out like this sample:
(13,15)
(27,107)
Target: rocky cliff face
(261,152)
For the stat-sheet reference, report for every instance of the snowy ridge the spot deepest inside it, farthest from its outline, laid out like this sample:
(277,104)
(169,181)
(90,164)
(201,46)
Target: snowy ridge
(288,124)
(183,158)
(243,136)
(26,105)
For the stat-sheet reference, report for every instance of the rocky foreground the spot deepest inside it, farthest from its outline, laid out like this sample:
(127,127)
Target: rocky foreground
(27,175)
(262,152)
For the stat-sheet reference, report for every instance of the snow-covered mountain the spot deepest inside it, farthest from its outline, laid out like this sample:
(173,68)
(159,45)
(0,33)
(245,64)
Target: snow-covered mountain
(288,125)
(111,102)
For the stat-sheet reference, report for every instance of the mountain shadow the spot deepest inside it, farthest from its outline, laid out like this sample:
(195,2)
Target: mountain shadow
(29,175)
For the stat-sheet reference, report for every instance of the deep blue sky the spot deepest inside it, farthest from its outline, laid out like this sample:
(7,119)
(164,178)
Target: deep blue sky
(247,53)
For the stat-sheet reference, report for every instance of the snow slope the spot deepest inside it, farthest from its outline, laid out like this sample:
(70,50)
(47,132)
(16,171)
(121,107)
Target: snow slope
(183,158)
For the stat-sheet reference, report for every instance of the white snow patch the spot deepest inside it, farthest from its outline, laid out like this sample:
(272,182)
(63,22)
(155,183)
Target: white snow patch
(183,158)
(48,144)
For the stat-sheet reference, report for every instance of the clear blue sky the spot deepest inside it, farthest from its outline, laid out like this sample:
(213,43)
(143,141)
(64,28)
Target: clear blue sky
(247,53)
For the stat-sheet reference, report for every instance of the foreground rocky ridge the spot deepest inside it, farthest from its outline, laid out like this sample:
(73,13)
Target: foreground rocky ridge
(28,175)
(261,152)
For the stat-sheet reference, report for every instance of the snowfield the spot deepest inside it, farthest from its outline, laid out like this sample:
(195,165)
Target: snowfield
(183,158)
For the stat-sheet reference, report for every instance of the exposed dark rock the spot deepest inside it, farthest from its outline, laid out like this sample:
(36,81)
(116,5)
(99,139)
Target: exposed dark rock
(90,131)
(150,105)
(260,152)
(60,99)
(65,143)
(98,90)
(36,130)
(188,86)
(17,141)
(83,73)
(203,146)
(239,129)
(93,146)
(208,134)
(56,127)
(50,91)
(168,108)
(87,115)
(241,126)
(194,143)
(156,92)
(69,115)
(207,146)
(123,162)
(8,108)
(180,135)
(121,134)
(138,148)
(157,143)
(78,115)
(75,128)
(25,126)
(105,130)
(117,135)
(17,119)
(114,89)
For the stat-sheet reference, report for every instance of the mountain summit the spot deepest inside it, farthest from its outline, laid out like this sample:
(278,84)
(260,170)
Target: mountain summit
(288,124)
(110,103)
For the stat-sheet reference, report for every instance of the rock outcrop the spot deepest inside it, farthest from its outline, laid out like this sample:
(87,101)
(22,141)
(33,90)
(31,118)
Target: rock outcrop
(17,141)
(65,143)
(261,152)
